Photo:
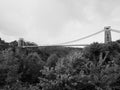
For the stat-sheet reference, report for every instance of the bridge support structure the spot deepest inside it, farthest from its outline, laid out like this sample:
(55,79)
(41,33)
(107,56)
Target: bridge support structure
(20,42)
(107,36)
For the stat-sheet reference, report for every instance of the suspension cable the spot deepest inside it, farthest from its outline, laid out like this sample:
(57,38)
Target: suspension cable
(83,37)
(115,30)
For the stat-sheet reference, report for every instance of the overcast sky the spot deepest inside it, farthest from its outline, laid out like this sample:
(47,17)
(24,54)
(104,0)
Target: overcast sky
(57,21)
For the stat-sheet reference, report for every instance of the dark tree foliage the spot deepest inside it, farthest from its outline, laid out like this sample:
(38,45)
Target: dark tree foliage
(95,67)
(93,51)
(32,65)
(52,60)
(118,41)
(13,44)
(3,45)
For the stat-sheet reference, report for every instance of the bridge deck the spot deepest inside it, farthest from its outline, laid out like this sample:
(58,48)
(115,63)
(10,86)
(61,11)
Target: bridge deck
(57,45)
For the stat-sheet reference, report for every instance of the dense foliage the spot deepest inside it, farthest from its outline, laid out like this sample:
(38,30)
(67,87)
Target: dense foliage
(95,67)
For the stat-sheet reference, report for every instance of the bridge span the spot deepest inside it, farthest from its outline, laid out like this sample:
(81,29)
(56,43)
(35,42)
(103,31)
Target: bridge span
(107,38)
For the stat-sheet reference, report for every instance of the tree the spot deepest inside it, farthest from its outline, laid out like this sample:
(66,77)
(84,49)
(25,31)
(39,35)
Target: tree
(52,60)
(8,67)
(93,51)
(31,68)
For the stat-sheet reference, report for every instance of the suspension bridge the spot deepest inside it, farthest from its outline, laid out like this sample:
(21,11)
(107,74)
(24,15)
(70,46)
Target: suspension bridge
(107,38)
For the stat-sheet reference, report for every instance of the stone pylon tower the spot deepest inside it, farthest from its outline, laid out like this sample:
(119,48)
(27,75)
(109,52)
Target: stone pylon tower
(108,37)
(20,42)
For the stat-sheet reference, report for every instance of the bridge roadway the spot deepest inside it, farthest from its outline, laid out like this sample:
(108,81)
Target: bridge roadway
(57,45)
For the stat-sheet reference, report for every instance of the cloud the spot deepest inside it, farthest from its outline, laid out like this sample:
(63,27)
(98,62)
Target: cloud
(49,21)
(106,7)
(19,17)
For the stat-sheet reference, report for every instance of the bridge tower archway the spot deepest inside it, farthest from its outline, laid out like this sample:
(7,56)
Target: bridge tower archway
(107,36)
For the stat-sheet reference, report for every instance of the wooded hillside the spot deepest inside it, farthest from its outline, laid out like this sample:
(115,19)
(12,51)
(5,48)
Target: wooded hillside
(95,67)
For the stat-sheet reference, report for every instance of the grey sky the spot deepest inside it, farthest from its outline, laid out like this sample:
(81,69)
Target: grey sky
(56,21)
